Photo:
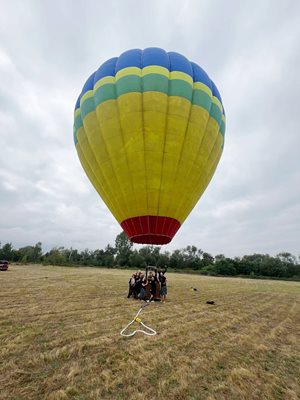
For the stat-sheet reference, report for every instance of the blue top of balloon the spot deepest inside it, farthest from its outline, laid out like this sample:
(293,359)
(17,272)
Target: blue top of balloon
(151,56)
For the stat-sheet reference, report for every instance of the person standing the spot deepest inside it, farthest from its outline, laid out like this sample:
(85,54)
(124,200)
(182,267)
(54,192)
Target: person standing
(131,286)
(143,291)
(163,287)
(138,285)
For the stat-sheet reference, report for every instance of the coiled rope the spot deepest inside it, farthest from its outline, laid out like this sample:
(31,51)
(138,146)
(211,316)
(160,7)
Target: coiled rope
(148,331)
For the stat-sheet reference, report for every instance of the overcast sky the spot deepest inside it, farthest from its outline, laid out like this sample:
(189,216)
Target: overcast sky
(251,50)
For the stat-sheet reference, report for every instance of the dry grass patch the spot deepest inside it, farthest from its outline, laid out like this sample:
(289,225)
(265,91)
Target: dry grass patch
(59,335)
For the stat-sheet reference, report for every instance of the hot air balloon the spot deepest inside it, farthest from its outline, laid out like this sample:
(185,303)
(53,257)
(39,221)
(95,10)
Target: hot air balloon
(149,131)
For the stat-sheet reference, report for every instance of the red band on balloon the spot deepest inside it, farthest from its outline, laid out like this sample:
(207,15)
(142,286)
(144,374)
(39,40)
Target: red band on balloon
(150,229)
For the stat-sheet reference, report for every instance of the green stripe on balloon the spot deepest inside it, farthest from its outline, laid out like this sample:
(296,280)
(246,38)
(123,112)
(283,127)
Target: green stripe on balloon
(222,128)
(104,93)
(77,124)
(180,88)
(152,83)
(148,83)
(129,84)
(201,99)
(216,114)
(87,106)
(155,83)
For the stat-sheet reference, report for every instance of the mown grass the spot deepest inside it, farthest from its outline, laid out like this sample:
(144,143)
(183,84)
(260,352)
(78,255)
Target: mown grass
(59,335)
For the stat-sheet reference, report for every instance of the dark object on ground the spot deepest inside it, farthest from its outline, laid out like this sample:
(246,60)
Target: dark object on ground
(193,288)
(3,265)
(210,302)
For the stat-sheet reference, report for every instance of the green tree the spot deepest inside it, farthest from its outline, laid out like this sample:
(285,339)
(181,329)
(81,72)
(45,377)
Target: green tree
(177,259)
(207,259)
(30,254)
(287,258)
(136,260)
(190,257)
(56,256)
(163,260)
(7,252)
(150,254)
(123,248)
(225,266)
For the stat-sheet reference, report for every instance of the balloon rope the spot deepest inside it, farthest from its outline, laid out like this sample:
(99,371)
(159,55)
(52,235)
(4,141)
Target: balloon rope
(149,331)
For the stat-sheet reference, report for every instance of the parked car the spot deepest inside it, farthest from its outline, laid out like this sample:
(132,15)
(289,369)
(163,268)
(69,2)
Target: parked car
(3,265)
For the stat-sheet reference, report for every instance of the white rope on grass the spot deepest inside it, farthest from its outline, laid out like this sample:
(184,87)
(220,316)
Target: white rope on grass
(149,331)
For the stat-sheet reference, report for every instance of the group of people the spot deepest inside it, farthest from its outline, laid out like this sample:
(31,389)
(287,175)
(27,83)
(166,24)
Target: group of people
(152,287)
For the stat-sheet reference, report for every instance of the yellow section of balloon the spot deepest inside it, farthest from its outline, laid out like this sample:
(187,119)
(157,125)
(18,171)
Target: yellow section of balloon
(149,153)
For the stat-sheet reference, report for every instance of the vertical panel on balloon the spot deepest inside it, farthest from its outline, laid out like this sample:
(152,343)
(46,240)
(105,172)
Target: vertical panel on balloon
(153,162)
(194,182)
(214,156)
(131,163)
(112,140)
(204,183)
(104,156)
(94,179)
(130,116)
(155,102)
(177,122)
(210,136)
(154,120)
(128,105)
(214,165)
(203,166)
(86,158)
(94,173)
(194,136)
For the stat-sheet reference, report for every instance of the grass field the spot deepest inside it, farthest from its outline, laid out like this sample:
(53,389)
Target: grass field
(59,336)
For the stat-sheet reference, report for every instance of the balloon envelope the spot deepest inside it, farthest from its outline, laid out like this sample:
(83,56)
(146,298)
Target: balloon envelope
(149,131)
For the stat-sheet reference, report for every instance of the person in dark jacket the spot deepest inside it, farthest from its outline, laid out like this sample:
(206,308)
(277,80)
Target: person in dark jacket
(163,287)
(153,287)
(143,292)
(131,286)
(138,285)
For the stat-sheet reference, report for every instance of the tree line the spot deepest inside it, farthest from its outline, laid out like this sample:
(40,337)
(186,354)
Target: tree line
(189,259)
